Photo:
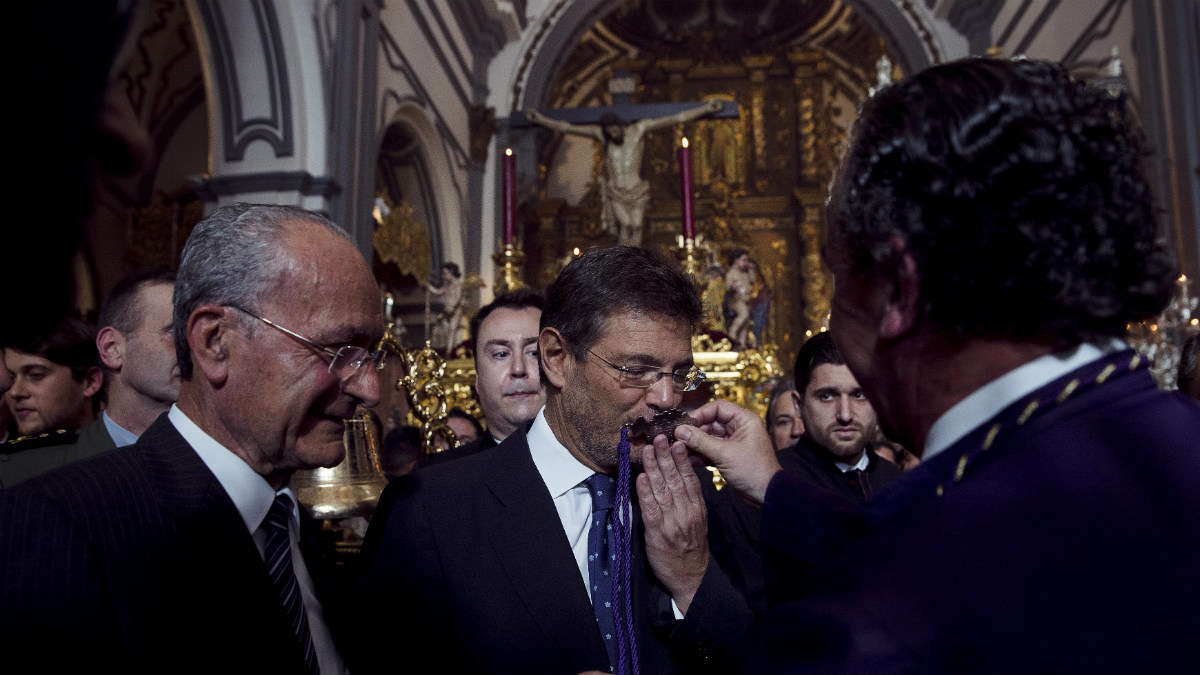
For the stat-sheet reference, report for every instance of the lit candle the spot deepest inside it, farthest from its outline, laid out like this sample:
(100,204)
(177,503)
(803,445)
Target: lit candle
(510,206)
(685,190)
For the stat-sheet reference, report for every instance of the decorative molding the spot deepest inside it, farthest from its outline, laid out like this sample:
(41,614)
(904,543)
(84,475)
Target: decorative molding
(276,128)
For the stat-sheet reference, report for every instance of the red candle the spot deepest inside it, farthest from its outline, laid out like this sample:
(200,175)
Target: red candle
(685,190)
(510,206)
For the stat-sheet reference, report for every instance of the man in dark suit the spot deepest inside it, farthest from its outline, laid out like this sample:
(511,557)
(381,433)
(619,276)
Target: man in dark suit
(483,563)
(187,552)
(504,335)
(835,450)
(991,234)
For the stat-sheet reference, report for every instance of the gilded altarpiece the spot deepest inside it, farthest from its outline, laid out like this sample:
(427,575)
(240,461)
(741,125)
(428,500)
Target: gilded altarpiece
(760,179)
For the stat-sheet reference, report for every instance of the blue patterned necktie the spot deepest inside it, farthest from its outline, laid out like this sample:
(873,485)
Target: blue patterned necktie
(602,549)
(278,556)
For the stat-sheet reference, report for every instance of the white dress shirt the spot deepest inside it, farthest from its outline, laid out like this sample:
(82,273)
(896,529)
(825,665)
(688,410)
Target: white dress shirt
(564,477)
(986,402)
(253,496)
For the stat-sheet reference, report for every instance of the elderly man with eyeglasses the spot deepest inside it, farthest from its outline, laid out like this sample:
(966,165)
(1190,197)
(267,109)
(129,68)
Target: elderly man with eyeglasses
(487,564)
(188,551)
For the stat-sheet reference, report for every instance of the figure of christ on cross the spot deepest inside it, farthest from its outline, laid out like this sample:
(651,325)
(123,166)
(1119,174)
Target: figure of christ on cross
(624,191)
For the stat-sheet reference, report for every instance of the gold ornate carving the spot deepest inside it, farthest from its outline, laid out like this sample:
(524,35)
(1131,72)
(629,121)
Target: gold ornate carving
(741,376)
(817,286)
(401,240)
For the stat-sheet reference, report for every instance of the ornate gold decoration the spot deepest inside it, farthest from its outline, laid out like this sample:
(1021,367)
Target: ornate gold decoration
(741,376)
(817,284)
(688,255)
(510,260)
(424,374)
(401,240)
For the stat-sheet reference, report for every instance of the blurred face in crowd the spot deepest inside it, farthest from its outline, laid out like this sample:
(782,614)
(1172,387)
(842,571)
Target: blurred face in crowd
(506,369)
(837,415)
(786,425)
(463,430)
(149,366)
(44,396)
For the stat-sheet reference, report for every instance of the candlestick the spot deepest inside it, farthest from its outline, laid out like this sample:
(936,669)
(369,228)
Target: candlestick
(509,262)
(685,190)
(510,228)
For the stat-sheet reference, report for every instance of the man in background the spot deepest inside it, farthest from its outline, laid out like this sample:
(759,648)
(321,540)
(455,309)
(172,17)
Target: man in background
(835,451)
(783,417)
(137,351)
(504,335)
(54,394)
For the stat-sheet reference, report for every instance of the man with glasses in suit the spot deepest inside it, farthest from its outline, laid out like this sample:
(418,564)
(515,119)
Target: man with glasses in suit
(484,562)
(188,551)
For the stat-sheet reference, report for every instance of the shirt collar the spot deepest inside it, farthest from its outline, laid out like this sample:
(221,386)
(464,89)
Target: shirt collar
(250,492)
(863,463)
(987,401)
(120,436)
(558,467)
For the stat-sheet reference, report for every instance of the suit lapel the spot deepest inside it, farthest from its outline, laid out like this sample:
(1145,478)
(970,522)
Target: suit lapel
(218,555)
(527,536)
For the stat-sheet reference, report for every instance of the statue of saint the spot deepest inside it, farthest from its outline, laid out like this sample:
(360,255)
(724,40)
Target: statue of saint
(447,333)
(739,293)
(625,193)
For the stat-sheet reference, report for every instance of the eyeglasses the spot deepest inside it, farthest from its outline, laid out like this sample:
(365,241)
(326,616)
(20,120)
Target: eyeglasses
(347,361)
(646,376)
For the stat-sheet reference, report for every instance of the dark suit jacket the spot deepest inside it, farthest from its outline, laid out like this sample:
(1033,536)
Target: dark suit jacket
(138,561)
(816,465)
(475,574)
(478,445)
(1071,544)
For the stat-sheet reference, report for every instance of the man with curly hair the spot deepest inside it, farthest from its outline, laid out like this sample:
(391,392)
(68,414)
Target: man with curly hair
(991,234)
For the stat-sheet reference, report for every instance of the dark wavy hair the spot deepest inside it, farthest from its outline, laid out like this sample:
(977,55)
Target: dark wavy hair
(606,280)
(818,350)
(1020,194)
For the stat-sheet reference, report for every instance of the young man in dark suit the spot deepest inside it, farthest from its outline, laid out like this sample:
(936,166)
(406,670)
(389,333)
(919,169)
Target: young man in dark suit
(991,235)
(187,551)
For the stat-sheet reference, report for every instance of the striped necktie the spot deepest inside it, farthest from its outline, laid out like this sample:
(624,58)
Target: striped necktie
(278,556)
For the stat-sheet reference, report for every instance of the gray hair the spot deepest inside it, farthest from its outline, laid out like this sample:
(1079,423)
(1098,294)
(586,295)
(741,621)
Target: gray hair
(234,257)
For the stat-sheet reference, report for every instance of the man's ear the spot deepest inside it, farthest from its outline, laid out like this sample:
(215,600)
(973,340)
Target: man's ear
(903,309)
(552,348)
(210,329)
(93,379)
(111,345)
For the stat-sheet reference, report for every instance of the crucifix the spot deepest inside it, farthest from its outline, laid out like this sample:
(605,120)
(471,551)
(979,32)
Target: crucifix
(621,129)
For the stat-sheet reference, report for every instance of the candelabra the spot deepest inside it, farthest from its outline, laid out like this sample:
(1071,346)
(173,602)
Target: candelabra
(510,260)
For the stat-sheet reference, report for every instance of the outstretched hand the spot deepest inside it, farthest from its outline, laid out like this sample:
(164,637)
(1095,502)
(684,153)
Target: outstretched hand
(675,518)
(735,441)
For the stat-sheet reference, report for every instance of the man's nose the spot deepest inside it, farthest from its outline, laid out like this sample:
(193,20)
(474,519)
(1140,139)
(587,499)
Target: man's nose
(662,395)
(519,367)
(364,385)
(18,389)
(844,412)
